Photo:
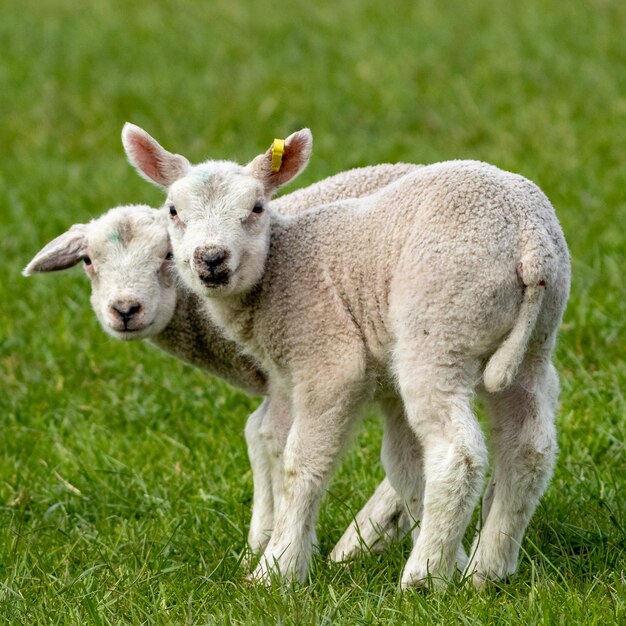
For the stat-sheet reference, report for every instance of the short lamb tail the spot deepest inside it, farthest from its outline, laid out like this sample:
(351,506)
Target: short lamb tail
(505,361)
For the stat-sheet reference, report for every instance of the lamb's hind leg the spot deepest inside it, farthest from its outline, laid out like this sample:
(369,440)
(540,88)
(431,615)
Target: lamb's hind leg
(395,508)
(524,451)
(403,460)
(383,519)
(437,397)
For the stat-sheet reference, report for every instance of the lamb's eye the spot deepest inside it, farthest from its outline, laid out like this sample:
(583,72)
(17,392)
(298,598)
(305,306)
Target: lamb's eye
(257,208)
(169,256)
(173,211)
(86,260)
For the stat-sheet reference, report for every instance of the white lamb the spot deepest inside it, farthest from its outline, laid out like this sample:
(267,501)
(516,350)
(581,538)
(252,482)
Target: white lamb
(135,295)
(451,280)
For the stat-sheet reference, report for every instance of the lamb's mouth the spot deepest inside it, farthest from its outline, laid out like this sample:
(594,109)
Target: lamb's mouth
(215,280)
(129,332)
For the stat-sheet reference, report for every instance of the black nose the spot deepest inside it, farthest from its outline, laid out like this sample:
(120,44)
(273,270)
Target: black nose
(214,260)
(210,258)
(126,310)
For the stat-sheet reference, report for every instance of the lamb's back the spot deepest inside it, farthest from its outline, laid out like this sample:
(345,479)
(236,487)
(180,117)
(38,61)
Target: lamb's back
(451,234)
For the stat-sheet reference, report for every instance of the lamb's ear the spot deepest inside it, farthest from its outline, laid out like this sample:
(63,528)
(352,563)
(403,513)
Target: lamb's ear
(63,252)
(150,159)
(275,169)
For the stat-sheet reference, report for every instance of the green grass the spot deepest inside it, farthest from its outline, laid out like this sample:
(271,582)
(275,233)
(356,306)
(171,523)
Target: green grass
(125,489)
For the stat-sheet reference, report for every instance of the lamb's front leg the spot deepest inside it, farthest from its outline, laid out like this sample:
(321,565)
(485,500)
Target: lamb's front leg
(262,521)
(320,429)
(266,433)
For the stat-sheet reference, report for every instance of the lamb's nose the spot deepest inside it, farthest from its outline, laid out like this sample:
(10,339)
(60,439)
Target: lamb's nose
(211,258)
(215,259)
(126,310)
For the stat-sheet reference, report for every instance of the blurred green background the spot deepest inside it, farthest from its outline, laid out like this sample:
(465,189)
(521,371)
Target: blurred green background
(124,483)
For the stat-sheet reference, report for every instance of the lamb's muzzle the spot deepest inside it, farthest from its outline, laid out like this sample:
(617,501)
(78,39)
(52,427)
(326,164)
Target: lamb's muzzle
(125,315)
(210,263)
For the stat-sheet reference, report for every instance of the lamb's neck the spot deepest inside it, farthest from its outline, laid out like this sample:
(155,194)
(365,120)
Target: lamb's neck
(193,337)
(234,315)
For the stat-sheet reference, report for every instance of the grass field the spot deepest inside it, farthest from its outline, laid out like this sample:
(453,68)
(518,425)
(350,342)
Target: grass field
(125,490)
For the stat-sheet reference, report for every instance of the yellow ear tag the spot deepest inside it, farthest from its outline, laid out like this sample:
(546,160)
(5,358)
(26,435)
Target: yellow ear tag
(278,149)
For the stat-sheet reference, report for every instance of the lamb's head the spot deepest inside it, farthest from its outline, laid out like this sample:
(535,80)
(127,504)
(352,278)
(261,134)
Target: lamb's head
(218,222)
(127,256)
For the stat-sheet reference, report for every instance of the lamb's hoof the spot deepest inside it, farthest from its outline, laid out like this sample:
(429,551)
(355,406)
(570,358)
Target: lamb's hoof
(357,541)
(488,567)
(272,570)
(488,577)
(430,573)
(346,549)
(261,575)
(253,550)
(246,560)
(421,578)
(340,557)
(483,583)
(479,581)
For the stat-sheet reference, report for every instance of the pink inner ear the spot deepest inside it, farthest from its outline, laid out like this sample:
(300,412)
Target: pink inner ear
(297,152)
(293,158)
(144,154)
